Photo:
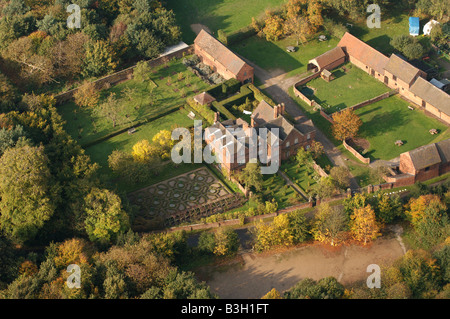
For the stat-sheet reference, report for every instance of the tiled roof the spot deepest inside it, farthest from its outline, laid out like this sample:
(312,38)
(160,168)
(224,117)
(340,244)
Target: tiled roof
(329,57)
(401,69)
(425,156)
(204,98)
(219,52)
(432,95)
(363,52)
(444,150)
(263,113)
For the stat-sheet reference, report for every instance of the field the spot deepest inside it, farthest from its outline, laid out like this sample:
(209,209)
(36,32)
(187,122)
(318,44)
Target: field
(86,126)
(228,15)
(350,86)
(390,120)
(272,56)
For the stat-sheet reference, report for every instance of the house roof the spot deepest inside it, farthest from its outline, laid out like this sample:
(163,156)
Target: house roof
(401,69)
(328,57)
(363,52)
(432,95)
(444,150)
(425,156)
(204,98)
(263,113)
(219,52)
(285,128)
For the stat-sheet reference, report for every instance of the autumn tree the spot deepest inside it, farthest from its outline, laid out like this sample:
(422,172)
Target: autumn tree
(273,28)
(126,168)
(223,242)
(144,152)
(105,217)
(346,124)
(142,71)
(363,225)
(87,95)
(341,175)
(163,143)
(329,225)
(112,109)
(276,234)
(273,294)
(99,59)
(251,176)
(26,192)
(316,149)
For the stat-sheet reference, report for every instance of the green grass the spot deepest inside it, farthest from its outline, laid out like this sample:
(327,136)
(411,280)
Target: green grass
(228,15)
(350,86)
(299,175)
(86,126)
(273,55)
(274,186)
(389,120)
(99,152)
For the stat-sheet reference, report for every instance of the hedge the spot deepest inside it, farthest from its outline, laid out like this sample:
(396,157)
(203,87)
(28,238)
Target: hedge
(240,35)
(220,91)
(259,96)
(223,111)
(203,110)
(240,98)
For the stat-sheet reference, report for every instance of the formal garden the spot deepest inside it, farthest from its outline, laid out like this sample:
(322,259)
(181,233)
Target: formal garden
(158,202)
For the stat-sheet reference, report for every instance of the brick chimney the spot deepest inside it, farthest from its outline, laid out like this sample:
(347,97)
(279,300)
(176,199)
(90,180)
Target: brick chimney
(276,111)
(252,122)
(216,117)
(283,108)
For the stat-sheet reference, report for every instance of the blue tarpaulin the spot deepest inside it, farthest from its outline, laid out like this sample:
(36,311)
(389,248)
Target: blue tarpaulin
(414,26)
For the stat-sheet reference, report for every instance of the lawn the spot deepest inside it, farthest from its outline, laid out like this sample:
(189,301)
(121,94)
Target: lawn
(272,56)
(274,186)
(390,120)
(302,176)
(228,15)
(86,126)
(350,86)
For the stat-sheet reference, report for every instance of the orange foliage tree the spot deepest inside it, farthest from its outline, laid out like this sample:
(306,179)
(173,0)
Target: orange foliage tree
(346,124)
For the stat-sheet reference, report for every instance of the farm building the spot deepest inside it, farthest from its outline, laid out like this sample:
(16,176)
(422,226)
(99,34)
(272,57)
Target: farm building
(221,59)
(328,60)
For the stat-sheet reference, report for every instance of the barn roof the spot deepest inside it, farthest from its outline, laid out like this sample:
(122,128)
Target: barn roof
(219,52)
(363,52)
(401,69)
(432,95)
(328,57)
(425,156)
(444,150)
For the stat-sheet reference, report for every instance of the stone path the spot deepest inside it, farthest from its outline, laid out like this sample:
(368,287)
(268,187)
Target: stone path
(292,184)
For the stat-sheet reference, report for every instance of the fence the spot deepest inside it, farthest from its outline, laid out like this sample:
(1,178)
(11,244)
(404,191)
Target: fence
(126,74)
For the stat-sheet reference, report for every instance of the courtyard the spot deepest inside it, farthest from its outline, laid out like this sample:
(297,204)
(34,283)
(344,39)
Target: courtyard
(349,87)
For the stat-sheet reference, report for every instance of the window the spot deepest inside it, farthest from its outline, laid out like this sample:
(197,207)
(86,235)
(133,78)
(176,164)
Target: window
(394,78)
(427,169)
(296,141)
(288,144)
(308,137)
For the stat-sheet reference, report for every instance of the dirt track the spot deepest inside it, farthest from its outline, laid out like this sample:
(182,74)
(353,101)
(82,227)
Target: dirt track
(257,274)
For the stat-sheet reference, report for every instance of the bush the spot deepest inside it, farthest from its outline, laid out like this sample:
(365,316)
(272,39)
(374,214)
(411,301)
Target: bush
(204,69)
(191,61)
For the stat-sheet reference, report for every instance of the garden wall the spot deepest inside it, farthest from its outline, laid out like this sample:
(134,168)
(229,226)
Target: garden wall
(373,100)
(302,97)
(125,74)
(327,117)
(355,153)
(319,170)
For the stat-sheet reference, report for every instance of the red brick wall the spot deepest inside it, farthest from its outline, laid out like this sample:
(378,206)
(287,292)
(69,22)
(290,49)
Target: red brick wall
(432,172)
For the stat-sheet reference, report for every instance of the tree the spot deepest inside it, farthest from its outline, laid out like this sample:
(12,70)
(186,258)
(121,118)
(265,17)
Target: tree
(105,218)
(226,242)
(8,94)
(316,149)
(414,51)
(273,235)
(163,143)
(273,294)
(26,192)
(303,157)
(142,71)
(298,226)
(329,225)
(341,175)
(112,109)
(129,170)
(324,188)
(87,95)
(346,124)
(144,152)
(251,176)
(99,59)
(273,28)
(11,137)
(387,207)
(325,288)
(363,226)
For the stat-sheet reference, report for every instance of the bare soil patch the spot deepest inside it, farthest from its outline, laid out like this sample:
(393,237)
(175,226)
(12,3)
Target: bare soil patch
(256,274)
(359,143)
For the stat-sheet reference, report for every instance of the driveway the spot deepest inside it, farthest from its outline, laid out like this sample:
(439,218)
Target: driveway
(277,87)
